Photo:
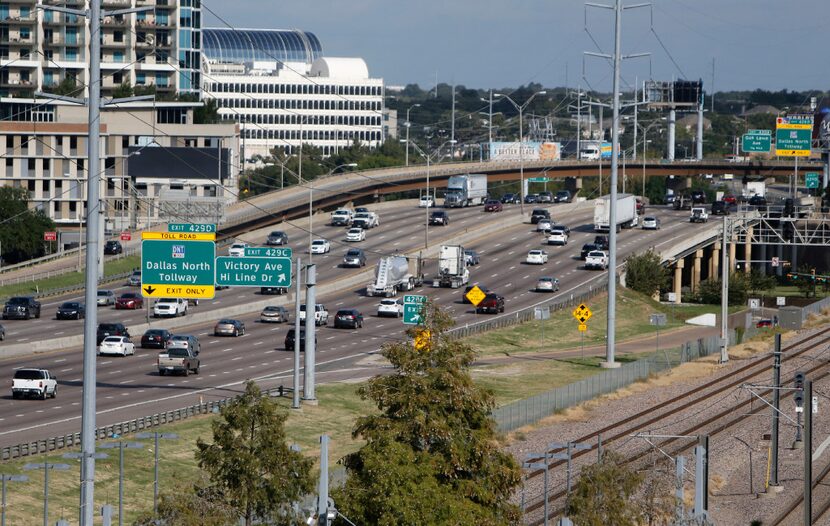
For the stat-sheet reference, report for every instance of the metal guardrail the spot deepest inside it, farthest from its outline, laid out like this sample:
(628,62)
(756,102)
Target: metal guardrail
(59,272)
(130,426)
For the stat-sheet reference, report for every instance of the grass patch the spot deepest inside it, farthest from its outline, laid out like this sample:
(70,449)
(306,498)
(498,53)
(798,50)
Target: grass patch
(111,268)
(339,406)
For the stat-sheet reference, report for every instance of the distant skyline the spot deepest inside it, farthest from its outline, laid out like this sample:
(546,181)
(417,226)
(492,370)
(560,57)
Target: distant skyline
(766,44)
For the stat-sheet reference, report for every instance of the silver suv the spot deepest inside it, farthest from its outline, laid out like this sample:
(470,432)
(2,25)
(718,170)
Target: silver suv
(185,341)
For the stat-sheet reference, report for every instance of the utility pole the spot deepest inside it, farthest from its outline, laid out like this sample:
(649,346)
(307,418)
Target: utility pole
(724,293)
(310,336)
(452,124)
(776,403)
(295,401)
(808,452)
(323,489)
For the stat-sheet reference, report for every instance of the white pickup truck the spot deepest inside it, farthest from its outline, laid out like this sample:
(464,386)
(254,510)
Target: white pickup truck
(38,383)
(698,215)
(596,260)
(321,314)
(366,220)
(170,307)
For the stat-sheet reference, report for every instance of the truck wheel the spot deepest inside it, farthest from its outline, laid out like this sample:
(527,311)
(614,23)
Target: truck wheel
(196,370)
(43,394)
(38,314)
(15,396)
(162,372)
(55,392)
(186,372)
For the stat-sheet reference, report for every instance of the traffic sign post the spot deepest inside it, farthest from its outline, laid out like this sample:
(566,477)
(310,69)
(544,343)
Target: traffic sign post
(756,141)
(178,269)
(582,314)
(793,135)
(413,306)
(811,180)
(126,236)
(253,271)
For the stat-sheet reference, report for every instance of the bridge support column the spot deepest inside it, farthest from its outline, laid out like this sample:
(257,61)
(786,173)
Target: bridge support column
(678,280)
(763,257)
(748,251)
(732,251)
(779,251)
(696,270)
(794,258)
(714,262)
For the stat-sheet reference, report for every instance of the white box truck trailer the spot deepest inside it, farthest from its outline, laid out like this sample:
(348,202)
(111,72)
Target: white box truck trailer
(626,212)
(452,267)
(466,190)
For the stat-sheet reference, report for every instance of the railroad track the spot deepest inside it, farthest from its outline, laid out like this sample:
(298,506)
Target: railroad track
(630,425)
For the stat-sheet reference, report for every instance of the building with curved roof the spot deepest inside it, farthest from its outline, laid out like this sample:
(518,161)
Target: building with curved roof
(243,46)
(283,92)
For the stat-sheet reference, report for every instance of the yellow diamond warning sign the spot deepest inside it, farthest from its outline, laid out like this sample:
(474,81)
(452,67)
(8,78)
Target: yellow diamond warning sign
(582,313)
(475,295)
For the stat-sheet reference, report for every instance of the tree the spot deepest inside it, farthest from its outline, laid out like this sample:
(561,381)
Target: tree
(182,506)
(604,494)
(123,91)
(760,282)
(805,280)
(645,273)
(710,290)
(431,455)
(21,229)
(250,466)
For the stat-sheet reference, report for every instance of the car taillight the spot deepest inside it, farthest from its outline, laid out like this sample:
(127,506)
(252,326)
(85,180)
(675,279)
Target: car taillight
(40,384)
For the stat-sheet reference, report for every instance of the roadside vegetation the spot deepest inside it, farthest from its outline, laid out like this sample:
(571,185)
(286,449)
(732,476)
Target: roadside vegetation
(70,279)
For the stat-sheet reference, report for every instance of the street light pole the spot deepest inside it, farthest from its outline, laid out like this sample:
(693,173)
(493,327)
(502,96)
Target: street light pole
(409,125)
(520,109)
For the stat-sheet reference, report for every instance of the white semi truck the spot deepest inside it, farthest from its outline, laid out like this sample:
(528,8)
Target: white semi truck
(392,274)
(466,190)
(626,212)
(452,267)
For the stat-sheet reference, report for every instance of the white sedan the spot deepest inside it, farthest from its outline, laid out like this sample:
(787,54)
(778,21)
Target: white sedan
(390,307)
(237,250)
(320,246)
(537,257)
(116,345)
(426,201)
(356,234)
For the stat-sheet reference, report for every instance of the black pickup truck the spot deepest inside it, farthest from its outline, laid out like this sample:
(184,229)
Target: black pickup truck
(21,308)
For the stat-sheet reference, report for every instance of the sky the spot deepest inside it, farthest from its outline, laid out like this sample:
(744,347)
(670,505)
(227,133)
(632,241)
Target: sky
(766,44)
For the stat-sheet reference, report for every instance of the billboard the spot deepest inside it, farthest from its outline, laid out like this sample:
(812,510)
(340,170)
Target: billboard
(529,150)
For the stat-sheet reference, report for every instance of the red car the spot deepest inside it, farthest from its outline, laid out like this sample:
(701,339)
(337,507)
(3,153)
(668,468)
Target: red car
(730,199)
(493,206)
(129,300)
(763,323)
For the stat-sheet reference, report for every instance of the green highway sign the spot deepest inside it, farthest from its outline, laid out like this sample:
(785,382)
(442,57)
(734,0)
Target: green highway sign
(177,269)
(811,180)
(253,271)
(413,305)
(756,141)
(793,135)
(538,180)
(190,227)
(268,252)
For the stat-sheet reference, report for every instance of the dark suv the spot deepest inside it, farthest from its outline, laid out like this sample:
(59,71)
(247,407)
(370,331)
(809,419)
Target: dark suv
(562,196)
(113,247)
(601,242)
(110,329)
(492,303)
(289,339)
(538,214)
(21,308)
(588,247)
(439,217)
(355,257)
(157,338)
(719,208)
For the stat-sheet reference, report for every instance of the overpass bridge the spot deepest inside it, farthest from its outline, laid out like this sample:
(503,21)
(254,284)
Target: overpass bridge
(331,191)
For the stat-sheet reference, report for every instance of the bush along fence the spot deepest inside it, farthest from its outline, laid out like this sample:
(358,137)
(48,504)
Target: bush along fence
(530,410)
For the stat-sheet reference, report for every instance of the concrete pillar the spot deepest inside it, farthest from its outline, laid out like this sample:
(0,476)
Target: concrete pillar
(794,258)
(763,257)
(670,144)
(748,251)
(779,250)
(678,280)
(696,270)
(714,266)
(577,183)
(732,256)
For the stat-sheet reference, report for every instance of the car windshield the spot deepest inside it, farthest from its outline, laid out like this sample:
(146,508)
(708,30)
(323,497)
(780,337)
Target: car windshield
(108,327)
(166,300)
(272,308)
(113,339)
(154,332)
(226,322)
(18,301)
(318,242)
(388,302)
(354,231)
(238,245)
(137,273)
(353,253)
(597,254)
(28,374)
(177,353)
(651,219)
(535,253)
(179,338)
(129,295)
(277,234)
(104,292)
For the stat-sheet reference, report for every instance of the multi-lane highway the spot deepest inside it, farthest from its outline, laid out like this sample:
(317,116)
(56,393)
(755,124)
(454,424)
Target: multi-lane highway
(131,387)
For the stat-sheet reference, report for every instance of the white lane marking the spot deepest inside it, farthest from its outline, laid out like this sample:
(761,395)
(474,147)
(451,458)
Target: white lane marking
(59,333)
(269,352)
(61,360)
(258,343)
(226,350)
(66,370)
(331,337)
(494,275)
(236,358)
(22,339)
(126,382)
(275,329)
(511,268)
(214,341)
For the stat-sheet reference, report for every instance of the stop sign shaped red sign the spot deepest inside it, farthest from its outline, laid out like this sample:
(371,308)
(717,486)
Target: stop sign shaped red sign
(126,236)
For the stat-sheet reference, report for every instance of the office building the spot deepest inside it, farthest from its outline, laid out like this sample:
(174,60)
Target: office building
(282,90)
